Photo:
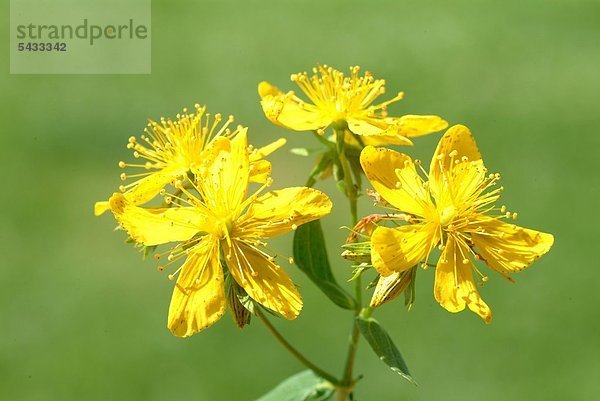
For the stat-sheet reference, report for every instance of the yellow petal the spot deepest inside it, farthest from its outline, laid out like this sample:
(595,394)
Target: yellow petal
(364,126)
(156,226)
(198,298)
(266,89)
(148,187)
(278,212)
(386,139)
(453,183)
(266,150)
(263,280)
(260,170)
(398,249)
(394,177)
(289,111)
(101,207)
(376,132)
(508,248)
(145,189)
(225,179)
(454,286)
(415,125)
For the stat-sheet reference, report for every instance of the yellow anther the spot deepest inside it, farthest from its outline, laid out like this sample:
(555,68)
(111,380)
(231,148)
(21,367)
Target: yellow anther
(485,279)
(122,164)
(454,153)
(294,227)
(290,260)
(123,176)
(160,268)
(515,215)
(171,277)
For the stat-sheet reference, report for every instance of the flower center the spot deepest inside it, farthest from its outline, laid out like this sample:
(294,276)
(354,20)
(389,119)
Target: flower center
(223,227)
(447,215)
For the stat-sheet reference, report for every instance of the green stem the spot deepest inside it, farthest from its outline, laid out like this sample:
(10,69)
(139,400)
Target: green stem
(322,139)
(352,194)
(351,187)
(301,358)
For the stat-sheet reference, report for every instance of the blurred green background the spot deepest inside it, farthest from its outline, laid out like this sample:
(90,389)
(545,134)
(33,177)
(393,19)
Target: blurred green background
(82,317)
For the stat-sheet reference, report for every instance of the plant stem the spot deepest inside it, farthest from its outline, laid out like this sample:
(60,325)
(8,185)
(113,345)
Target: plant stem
(301,358)
(352,193)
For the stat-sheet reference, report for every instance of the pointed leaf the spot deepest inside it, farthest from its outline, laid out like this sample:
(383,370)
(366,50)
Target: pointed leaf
(382,344)
(310,255)
(304,386)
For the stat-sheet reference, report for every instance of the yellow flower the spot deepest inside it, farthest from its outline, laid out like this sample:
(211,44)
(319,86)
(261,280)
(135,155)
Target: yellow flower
(455,211)
(222,221)
(347,100)
(170,149)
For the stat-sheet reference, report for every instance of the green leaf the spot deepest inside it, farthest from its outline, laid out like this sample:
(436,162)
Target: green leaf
(382,344)
(310,255)
(304,151)
(304,386)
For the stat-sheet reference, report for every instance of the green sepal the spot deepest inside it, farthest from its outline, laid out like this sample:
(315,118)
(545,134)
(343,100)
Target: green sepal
(410,293)
(324,162)
(240,304)
(310,254)
(148,250)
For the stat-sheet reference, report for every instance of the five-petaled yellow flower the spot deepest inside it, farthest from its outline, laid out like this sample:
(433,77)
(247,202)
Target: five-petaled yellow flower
(346,100)
(172,149)
(455,211)
(222,221)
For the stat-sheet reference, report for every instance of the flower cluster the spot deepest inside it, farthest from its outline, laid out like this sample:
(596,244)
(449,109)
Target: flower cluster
(215,227)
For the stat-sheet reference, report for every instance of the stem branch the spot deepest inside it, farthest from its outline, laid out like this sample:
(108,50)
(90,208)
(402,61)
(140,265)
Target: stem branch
(301,358)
